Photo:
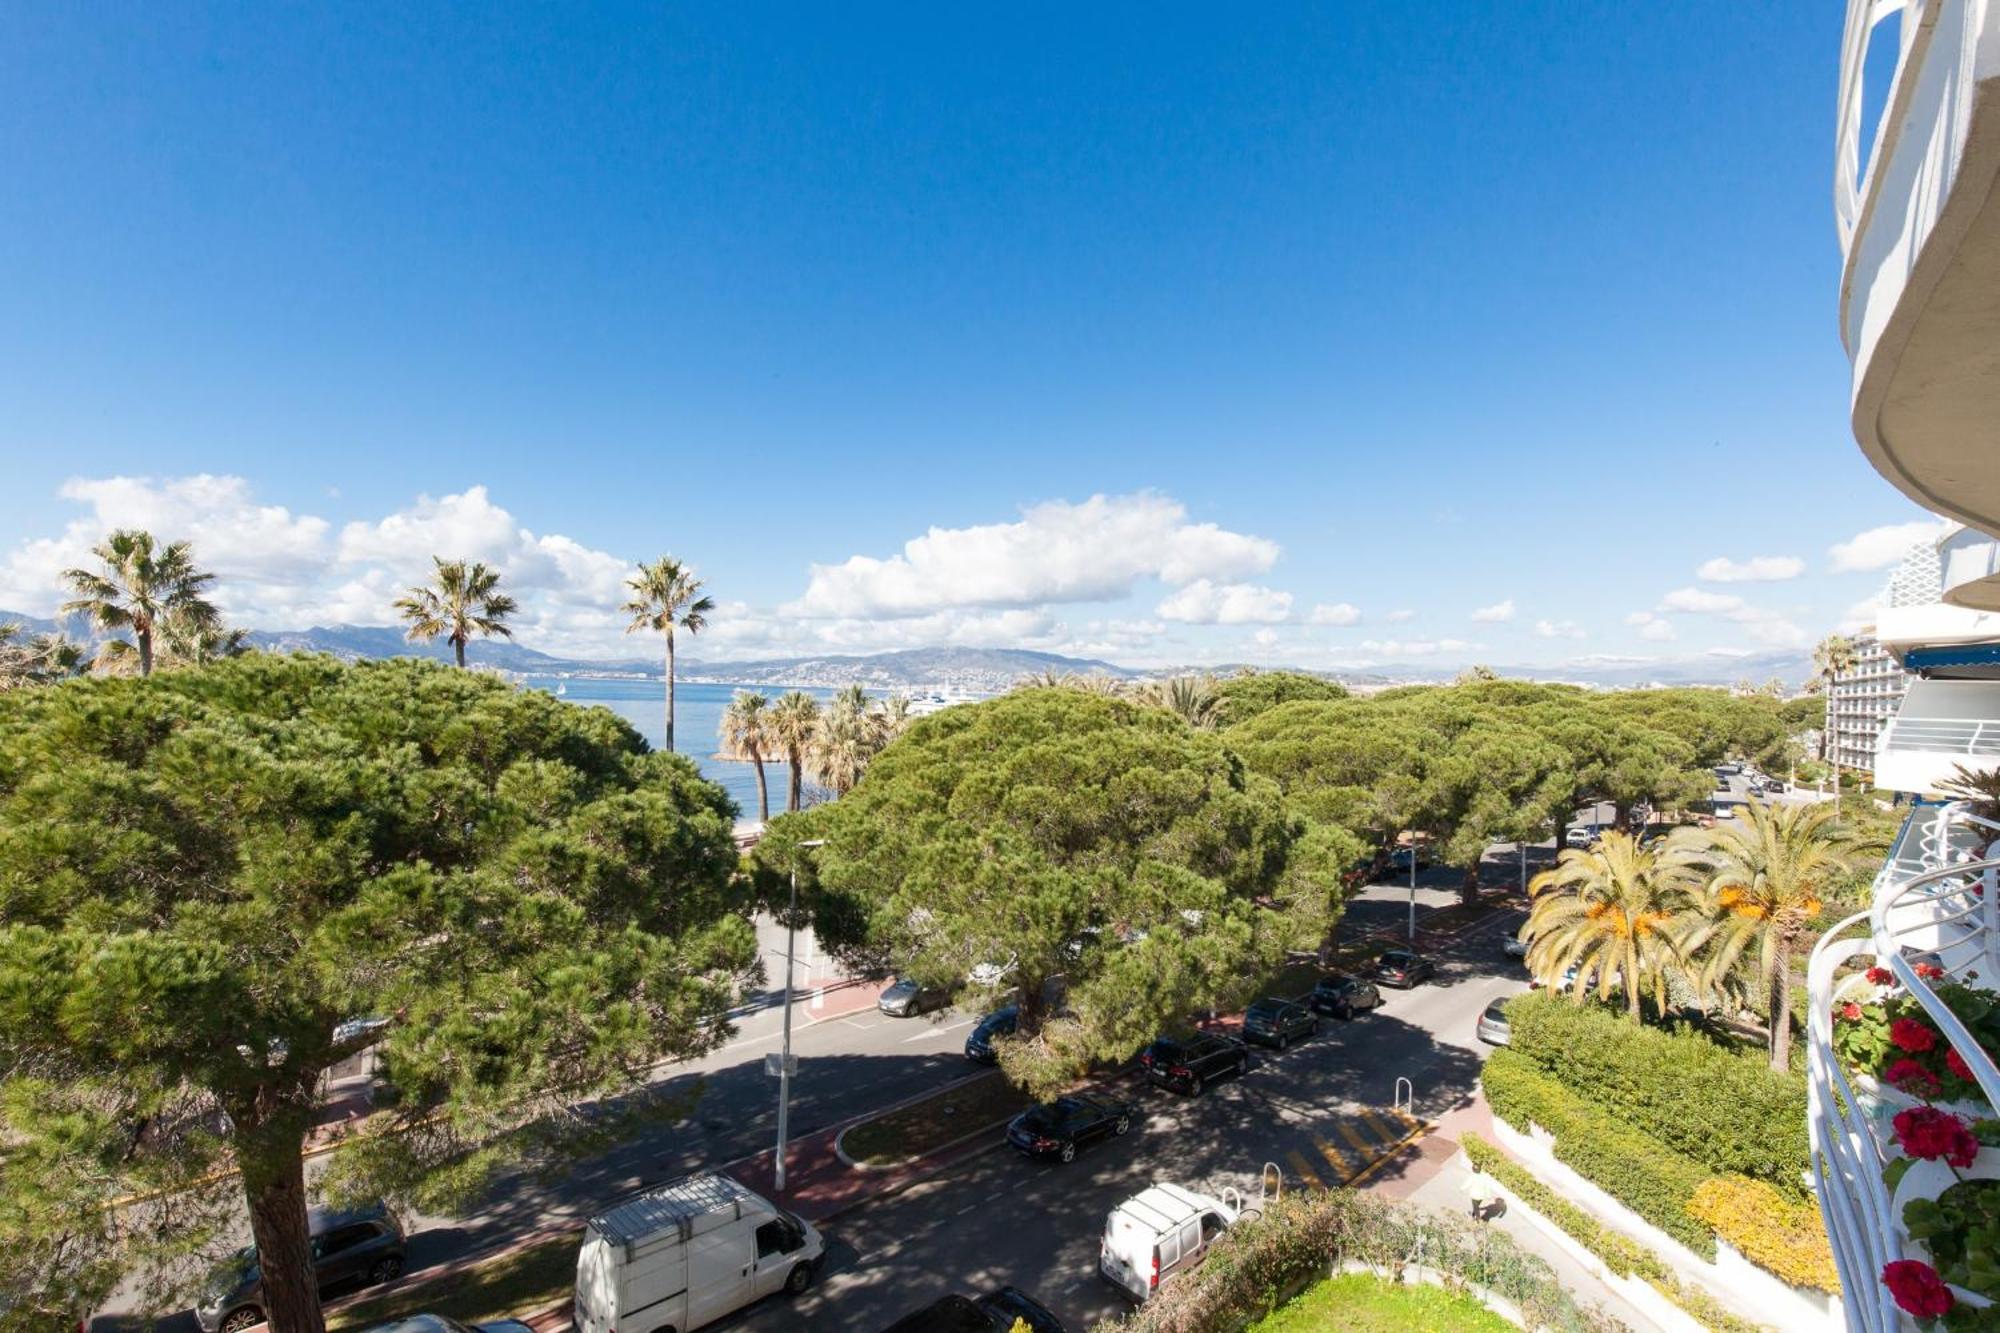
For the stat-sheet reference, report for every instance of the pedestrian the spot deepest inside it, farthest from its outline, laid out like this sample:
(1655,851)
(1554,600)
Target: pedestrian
(1482,1189)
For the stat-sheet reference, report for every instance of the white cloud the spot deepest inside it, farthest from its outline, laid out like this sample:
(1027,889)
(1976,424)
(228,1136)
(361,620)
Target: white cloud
(1650,626)
(1879,548)
(1558,629)
(1861,615)
(1205,603)
(1398,617)
(1757,569)
(1777,632)
(1336,613)
(1265,637)
(1699,601)
(1387,648)
(1497,613)
(1056,552)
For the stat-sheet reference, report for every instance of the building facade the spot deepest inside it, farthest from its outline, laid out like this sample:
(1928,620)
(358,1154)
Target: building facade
(1860,702)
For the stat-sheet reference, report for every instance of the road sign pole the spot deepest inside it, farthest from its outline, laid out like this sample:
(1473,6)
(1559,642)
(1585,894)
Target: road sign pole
(785,1059)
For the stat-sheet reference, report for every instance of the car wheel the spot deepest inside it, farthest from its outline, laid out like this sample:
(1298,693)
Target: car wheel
(1242,1065)
(1284,1040)
(1312,1028)
(238,1320)
(1068,1152)
(1194,1085)
(386,1269)
(1122,1125)
(798,1279)
(1345,1013)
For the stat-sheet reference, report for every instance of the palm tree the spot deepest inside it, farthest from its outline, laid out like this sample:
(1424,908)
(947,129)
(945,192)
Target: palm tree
(1196,700)
(463,600)
(1978,787)
(37,661)
(138,585)
(1832,656)
(1766,873)
(850,733)
(666,595)
(184,639)
(1617,910)
(792,723)
(746,733)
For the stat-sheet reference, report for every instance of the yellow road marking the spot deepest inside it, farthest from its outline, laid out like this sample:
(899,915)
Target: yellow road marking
(1382,1130)
(1394,1148)
(1304,1168)
(1361,1145)
(1334,1157)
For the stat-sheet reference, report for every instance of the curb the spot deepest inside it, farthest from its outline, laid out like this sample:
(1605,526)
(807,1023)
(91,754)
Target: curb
(1422,1131)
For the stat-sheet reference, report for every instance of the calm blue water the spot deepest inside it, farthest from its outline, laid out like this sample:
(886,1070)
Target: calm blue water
(697,723)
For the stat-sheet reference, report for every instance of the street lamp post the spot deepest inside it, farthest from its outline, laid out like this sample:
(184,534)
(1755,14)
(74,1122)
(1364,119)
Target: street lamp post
(785,1058)
(1413,890)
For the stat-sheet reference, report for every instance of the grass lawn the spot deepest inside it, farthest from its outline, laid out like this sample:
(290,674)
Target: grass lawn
(1364,1303)
(918,1128)
(522,1282)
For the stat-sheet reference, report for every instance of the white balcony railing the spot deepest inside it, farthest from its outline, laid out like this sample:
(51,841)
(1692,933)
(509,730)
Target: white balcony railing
(1972,737)
(1937,903)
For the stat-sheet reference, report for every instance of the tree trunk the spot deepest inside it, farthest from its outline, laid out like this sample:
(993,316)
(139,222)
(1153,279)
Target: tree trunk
(145,637)
(1468,892)
(670,690)
(1030,1010)
(1781,1010)
(458,650)
(274,1186)
(797,762)
(763,796)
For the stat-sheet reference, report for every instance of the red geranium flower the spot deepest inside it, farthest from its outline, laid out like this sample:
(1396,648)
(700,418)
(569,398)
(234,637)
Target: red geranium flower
(1929,1134)
(1913,1036)
(1912,1078)
(1929,971)
(1850,1012)
(1881,976)
(1956,1064)
(1917,1288)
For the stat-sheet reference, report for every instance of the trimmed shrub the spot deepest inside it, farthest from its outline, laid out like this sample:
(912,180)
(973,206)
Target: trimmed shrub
(1724,1108)
(1631,1166)
(1261,1263)
(1774,1232)
(1621,1254)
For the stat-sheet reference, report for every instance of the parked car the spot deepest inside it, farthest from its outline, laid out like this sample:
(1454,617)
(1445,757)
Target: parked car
(1580,835)
(1343,996)
(979,1042)
(995,1312)
(1400,859)
(1188,1066)
(439,1323)
(1274,1022)
(1513,946)
(1157,1233)
(1403,968)
(1058,1128)
(687,1253)
(349,1247)
(906,999)
(1492,1025)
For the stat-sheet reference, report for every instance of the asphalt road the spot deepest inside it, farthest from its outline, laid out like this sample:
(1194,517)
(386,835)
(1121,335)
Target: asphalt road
(1003,1219)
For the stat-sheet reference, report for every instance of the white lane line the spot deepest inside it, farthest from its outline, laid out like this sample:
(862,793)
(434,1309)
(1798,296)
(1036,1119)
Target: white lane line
(938,1031)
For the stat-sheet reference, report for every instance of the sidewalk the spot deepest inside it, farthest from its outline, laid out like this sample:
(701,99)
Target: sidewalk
(1434,1170)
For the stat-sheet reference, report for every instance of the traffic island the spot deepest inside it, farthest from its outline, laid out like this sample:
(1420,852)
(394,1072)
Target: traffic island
(902,1136)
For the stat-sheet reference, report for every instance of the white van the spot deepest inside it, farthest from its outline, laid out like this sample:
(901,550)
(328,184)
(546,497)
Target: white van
(686,1254)
(1161,1232)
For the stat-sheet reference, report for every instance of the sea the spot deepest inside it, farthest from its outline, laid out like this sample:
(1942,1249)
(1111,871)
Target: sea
(697,726)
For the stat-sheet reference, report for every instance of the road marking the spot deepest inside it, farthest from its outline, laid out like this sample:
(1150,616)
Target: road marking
(1382,1130)
(1361,1145)
(940,1031)
(1335,1158)
(1304,1168)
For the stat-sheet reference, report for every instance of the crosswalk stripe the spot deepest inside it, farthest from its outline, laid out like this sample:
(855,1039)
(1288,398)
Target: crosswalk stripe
(1385,1132)
(1363,1146)
(1410,1122)
(1304,1168)
(1334,1157)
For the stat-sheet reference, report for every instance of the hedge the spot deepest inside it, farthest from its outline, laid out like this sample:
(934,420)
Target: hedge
(1260,1263)
(1621,1254)
(1775,1233)
(1632,1166)
(1727,1109)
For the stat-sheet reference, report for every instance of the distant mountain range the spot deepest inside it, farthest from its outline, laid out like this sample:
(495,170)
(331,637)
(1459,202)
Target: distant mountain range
(978,670)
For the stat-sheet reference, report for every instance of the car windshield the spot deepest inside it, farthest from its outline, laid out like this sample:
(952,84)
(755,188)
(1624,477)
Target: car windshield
(1495,1013)
(1397,959)
(1040,1117)
(994,1022)
(902,988)
(1167,1051)
(1265,1009)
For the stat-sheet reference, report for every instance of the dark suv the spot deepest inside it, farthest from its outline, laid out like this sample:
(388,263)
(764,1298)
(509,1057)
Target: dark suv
(1344,996)
(1278,1023)
(979,1042)
(348,1248)
(1187,1066)
(995,1312)
(1403,969)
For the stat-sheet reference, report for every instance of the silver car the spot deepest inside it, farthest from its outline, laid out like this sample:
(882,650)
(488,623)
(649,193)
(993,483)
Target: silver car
(1492,1028)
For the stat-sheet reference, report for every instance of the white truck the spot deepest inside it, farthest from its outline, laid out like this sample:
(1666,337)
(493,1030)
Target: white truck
(686,1254)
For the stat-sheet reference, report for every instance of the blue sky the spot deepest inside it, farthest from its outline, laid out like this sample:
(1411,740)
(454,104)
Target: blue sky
(1177,326)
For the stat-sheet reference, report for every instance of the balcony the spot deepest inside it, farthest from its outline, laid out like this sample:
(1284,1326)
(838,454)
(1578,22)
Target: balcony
(1942,724)
(1970,569)
(1935,919)
(1920,231)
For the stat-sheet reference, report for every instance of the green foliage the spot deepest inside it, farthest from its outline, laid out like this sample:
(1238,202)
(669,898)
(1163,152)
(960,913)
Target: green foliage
(1257,692)
(1861,1035)
(1631,1166)
(205,874)
(1054,833)
(1961,1227)
(1366,1303)
(1805,713)
(1724,1108)
(1262,1262)
(1620,1253)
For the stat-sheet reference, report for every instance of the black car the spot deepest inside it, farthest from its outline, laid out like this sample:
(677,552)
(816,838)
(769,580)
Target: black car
(906,999)
(1058,1128)
(1279,1023)
(348,1248)
(979,1042)
(994,1312)
(1403,969)
(1344,996)
(1188,1065)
